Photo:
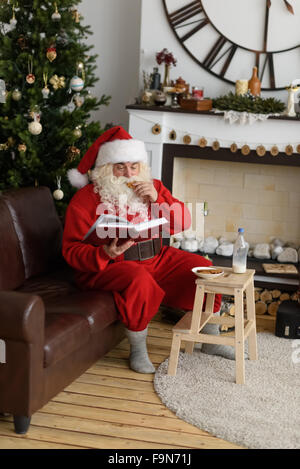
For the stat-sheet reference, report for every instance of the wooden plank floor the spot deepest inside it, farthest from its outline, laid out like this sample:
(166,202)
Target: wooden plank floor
(112,407)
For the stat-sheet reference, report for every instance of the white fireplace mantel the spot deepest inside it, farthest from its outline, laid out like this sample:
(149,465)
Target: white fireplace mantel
(213,127)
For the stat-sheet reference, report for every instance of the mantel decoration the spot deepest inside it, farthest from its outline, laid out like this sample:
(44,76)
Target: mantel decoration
(167,58)
(177,135)
(247,108)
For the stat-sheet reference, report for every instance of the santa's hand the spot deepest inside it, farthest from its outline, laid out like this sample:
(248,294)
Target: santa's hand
(113,250)
(146,191)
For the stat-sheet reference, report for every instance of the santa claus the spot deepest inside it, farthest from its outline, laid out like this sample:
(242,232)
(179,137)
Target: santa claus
(141,273)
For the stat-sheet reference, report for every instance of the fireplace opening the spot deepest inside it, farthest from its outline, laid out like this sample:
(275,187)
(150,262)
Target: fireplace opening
(263,198)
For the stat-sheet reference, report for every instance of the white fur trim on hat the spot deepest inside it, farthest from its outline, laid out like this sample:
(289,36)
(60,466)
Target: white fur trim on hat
(121,151)
(77,179)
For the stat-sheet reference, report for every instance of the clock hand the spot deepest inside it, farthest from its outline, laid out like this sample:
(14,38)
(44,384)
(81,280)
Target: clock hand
(268,5)
(289,7)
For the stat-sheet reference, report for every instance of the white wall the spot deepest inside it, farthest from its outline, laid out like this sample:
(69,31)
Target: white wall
(116,36)
(154,20)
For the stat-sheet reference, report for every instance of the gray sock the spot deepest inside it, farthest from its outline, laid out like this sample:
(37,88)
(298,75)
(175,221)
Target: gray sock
(226,351)
(138,358)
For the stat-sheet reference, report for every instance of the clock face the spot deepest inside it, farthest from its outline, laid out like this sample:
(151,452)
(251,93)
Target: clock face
(229,37)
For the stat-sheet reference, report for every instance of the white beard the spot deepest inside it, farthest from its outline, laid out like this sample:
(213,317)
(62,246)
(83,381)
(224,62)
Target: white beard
(118,198)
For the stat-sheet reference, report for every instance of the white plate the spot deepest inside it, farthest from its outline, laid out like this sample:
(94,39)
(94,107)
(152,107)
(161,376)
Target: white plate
(197,271)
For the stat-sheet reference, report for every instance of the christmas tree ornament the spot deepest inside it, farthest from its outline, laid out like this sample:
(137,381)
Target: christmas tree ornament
(45,90)
(77,132)
(51,53)
(80,69)
(30,78)
(76,83)
(34,127)
(2,91)
(13,20)
(202,142)
(56,16)
(75,15)
(245,150)
(78,100)
(289,150)
(57,82)
(260,150)
(22,147)
(16,94)
(215,145)
(187,139)
(298,148)
(233,148)
(274,150)
(58,193)
(22,42)
(72,153)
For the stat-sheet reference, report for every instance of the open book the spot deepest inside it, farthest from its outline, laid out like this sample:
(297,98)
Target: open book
(111,226)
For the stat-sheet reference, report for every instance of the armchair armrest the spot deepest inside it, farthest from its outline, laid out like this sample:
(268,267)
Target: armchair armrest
(22,316)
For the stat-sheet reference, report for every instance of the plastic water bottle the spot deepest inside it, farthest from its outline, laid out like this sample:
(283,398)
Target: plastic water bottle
(240,251)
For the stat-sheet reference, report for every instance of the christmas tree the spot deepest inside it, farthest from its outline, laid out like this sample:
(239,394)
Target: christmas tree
(46,73)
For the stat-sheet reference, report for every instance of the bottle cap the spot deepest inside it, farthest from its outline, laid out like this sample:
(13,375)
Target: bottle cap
(241,230)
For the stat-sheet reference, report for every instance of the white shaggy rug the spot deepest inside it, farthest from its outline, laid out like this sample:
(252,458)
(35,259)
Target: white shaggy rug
(262,414)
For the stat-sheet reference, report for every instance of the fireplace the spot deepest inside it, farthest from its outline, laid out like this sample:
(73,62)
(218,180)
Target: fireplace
(260,193)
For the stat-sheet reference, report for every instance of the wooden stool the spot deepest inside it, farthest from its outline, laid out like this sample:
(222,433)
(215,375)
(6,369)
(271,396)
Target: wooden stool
(189,327)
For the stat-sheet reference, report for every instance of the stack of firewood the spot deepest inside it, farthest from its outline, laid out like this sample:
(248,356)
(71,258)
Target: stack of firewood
(268,301)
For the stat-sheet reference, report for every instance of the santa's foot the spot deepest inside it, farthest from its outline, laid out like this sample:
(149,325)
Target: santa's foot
(138,358)
(225,351)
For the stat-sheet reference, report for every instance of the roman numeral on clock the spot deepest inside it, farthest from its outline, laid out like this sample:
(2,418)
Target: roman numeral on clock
(186,16)
(270,61)
(219,52)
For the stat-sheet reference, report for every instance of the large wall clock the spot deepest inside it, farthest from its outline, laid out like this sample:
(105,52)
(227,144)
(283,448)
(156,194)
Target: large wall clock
(229,37)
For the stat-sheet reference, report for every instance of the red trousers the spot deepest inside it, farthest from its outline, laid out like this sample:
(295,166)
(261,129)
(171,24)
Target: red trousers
(139,287)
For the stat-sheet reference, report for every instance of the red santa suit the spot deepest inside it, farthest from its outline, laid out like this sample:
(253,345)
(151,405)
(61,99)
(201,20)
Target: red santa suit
(138,287)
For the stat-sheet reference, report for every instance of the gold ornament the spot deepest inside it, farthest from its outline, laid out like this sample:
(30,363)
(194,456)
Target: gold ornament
(233,148)
(172,135)
(274,150)
(35,128)
(298,148)
(202,142)
(187,139)
(77,132)
(76,16)
(22,147)
(57,82)
(215,145)
(51,54)
(156,129)
(289,150)
(16,94)
(245,150)
(260,150)
(72,153)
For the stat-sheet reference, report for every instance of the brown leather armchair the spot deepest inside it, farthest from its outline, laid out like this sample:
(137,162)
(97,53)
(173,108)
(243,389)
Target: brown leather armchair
(50,331)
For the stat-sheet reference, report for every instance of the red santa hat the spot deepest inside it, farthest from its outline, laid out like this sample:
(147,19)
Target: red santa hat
(113,146)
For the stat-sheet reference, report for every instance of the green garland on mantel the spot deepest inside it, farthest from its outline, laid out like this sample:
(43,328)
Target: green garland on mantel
(248,103)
